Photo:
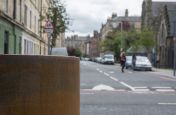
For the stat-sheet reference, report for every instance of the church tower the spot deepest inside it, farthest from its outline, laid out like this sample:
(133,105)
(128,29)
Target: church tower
(126,13)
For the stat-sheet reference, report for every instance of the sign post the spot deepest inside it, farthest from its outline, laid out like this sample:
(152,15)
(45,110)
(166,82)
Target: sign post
(49,30)
(174,56)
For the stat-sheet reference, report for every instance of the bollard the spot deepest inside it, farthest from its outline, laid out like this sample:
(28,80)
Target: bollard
(39,85)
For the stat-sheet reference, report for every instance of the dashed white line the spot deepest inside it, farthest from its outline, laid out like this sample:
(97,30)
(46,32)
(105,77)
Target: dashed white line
(111,72)
(101,71)
(132,88)
(113,78)
(106,74)
(137,89)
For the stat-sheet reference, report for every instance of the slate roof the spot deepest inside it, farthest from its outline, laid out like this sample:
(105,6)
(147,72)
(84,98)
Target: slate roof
(115,21)
(130,18)
(157,7)
(172,21)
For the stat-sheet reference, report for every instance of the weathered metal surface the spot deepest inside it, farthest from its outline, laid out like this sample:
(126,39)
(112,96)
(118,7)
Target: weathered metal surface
(39,85)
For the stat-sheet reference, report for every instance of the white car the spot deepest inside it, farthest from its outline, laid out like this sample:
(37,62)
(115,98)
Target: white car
(98,59)
(142,63)
(108,59)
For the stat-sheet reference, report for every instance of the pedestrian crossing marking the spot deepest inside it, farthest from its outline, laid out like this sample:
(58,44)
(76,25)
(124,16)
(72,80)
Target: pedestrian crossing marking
(102,87)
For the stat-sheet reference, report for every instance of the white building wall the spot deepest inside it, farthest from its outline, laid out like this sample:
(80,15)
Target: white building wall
(31,39)
(30,45)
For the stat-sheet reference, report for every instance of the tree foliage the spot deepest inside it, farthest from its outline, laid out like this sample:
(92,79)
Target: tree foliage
(59,19)
(74,51)
(128,39)
(147,39)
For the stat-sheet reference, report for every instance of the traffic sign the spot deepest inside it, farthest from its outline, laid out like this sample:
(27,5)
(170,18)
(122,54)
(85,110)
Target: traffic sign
(48,27)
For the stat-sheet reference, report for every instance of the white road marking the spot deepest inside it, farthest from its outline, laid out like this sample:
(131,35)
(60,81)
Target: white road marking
(106,74)
(161,87)
(165,90)
(141,90)
(113,78)
(111,72)
(85,89)
(101,71)
(103,87)
(132,88)
(166,103)
(87,93)
(144,87)
(97,69)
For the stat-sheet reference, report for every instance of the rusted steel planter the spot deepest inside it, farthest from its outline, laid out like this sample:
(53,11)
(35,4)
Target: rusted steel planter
(39,85)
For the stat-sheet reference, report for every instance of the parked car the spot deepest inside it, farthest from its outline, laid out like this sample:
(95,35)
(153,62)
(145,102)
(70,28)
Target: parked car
(142,63)
(98,59)
(128,63)
(87,59)
(59,51)
(108,59)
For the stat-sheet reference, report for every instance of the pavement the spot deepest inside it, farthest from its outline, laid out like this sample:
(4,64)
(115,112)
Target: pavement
(165,72)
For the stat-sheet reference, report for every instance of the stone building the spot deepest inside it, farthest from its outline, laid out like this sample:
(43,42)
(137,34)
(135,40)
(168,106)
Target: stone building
(160,17)
(165,38)
(60,40)
(94,48)
(77,42)
(21,26)
(120,23)
(151,13)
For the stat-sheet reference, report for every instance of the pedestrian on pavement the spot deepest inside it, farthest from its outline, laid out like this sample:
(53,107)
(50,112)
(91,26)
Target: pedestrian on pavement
(122,60)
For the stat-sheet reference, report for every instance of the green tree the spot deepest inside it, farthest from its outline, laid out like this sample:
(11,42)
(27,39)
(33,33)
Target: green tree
(74,51)
(111,43)
(144,39)
(78,52)
(59,19)
(147,40)
(128,39)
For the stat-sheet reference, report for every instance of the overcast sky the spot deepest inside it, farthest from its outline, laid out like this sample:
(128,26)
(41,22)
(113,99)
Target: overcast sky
(88,15)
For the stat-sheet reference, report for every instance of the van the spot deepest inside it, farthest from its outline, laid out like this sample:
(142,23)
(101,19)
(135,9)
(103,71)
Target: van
(59,51)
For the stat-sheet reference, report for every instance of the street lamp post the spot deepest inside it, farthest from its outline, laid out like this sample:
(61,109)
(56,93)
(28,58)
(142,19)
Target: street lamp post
(49,43)
(174,55)
(174,48)
(49,31)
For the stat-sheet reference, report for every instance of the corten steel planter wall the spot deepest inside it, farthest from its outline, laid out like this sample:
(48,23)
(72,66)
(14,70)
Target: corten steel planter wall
(39,85)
